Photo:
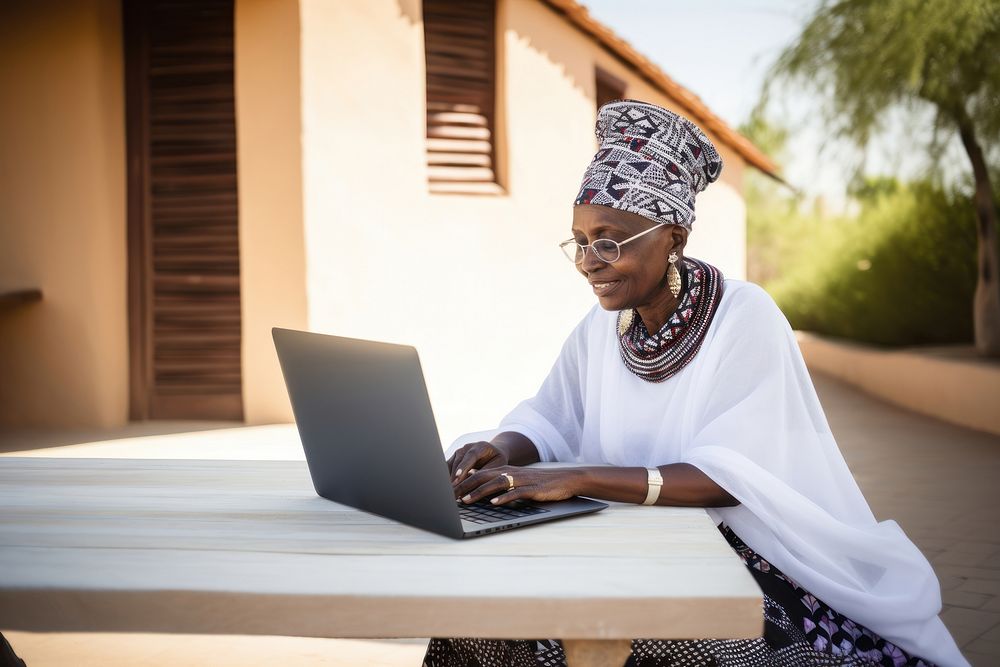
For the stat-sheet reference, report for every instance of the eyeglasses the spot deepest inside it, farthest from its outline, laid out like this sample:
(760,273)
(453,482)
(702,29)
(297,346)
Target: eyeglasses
(606,250)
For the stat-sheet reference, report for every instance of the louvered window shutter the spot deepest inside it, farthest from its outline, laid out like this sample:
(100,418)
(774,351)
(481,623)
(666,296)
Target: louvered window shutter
(460,50)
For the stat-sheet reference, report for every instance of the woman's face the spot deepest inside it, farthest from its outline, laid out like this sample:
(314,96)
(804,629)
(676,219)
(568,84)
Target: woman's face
(639,278)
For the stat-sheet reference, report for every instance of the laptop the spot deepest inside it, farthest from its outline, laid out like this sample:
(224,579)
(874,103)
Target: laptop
(370,440)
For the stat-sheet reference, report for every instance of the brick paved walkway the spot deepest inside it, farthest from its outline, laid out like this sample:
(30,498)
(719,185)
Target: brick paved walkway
(940,482)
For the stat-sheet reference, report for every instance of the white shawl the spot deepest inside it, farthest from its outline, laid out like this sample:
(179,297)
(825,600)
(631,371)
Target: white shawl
(745,413)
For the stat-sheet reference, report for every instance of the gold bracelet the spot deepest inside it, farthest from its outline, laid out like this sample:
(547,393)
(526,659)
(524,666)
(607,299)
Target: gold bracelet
(655,481)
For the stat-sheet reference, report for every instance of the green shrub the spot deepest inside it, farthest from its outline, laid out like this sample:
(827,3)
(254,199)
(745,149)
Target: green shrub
(902,272)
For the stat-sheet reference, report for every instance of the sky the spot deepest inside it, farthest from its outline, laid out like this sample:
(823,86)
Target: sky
(721,50)
(718,49)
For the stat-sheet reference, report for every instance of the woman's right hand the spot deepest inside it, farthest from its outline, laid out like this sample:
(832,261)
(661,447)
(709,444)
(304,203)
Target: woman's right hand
(474,456)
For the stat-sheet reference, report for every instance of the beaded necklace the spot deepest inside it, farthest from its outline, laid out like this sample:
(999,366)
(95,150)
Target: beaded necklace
(656,357)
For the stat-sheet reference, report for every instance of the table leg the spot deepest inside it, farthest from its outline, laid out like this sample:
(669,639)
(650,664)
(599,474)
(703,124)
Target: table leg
(596,652)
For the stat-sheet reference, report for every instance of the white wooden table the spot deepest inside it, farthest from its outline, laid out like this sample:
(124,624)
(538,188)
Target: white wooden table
(246,547)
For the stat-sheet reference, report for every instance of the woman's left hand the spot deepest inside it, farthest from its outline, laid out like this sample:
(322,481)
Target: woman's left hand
(538,484)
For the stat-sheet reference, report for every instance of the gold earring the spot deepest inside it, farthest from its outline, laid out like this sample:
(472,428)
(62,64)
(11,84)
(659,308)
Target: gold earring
(673,275)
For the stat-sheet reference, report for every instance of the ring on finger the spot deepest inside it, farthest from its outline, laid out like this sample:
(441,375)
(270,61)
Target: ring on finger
(510,480)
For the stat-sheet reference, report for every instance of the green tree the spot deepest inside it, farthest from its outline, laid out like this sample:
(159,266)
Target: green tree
(867,57)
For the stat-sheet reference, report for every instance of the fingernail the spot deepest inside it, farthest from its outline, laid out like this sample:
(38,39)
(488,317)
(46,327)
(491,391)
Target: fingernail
(467,497)
(495,501)
(472,470)
(458,473)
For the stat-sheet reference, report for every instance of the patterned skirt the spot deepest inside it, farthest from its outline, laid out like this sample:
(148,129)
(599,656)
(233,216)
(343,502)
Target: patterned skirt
(799,631)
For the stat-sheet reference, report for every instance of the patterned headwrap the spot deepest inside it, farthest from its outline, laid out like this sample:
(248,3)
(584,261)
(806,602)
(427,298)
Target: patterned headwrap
(650,161)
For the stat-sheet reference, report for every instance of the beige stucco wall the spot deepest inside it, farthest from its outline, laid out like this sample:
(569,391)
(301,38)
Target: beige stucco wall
(272,247)
(337,230)
(476,283)
(947,382)
(63,361)
(719,234)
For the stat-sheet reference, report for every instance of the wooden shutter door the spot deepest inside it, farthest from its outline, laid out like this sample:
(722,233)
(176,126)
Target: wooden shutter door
(184,273)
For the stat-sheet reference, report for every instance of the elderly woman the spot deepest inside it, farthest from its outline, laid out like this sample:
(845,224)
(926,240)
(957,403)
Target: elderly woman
(693,388)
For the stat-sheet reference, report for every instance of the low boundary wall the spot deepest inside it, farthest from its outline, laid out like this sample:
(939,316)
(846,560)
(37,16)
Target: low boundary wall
(950,383)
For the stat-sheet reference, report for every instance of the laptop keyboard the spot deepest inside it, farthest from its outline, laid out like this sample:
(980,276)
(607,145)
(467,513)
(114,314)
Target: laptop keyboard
(486,512)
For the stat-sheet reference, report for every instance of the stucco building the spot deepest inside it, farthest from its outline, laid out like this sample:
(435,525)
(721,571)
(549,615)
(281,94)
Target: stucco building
(177,178)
